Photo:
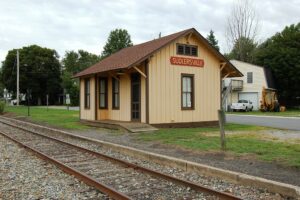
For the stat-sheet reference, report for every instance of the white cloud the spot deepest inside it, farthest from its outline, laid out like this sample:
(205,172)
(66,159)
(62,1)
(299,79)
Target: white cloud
(85,24)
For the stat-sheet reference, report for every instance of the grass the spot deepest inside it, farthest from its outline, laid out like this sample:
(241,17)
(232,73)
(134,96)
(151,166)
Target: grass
(56,117)
(288,113)
(249,142)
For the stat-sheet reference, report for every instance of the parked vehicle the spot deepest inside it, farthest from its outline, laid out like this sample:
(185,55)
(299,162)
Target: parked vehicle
(242,105)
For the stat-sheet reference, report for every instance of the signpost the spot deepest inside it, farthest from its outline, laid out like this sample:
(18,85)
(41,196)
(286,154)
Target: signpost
(68,100)
(28,101)
(47,98)
(222,121)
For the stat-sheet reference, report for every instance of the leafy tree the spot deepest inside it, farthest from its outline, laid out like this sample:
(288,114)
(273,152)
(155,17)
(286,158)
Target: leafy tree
(281,54)
(74,62)
(1,84)
(39,72)
(212,40)
(243,50)
(117,40)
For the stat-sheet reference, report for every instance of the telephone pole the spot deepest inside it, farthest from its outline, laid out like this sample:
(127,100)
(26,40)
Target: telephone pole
(18,66)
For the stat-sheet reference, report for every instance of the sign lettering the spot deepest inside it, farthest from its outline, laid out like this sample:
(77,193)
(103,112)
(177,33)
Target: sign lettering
(187,61)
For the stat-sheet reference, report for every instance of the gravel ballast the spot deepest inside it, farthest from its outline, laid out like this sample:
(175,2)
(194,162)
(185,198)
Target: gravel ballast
(245,192)
(24,176)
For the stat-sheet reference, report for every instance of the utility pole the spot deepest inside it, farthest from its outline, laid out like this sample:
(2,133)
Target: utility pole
(18,66)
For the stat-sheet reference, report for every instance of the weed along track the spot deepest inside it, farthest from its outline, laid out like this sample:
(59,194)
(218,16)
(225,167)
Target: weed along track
(117,178)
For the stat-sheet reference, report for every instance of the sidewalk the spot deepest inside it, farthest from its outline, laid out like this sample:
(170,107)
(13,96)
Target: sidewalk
(60,107)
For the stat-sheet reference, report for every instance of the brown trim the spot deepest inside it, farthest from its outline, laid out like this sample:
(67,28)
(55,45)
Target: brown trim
(193,92)
(113,81)
(96,94)
(187,124)
(106,92)
(136,120)
(221,91)
(80,98)
(87,106)
(147,90)
(184,45)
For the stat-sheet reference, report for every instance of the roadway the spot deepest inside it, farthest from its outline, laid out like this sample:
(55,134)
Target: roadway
(291,123)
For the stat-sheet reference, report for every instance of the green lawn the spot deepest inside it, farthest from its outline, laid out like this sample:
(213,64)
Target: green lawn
(249,142)
(60,118)
(288,113)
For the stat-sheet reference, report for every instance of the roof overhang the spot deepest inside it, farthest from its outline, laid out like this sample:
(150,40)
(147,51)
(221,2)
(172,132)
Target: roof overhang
(227,68)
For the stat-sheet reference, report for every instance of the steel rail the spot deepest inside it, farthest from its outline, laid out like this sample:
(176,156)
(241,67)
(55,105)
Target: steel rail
(192,185)
(79,175)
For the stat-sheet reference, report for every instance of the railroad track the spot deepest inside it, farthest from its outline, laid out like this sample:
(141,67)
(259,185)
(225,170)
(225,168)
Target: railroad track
(117,178)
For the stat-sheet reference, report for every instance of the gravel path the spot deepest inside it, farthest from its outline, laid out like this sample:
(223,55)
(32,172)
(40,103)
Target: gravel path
(24,176)
(245,192)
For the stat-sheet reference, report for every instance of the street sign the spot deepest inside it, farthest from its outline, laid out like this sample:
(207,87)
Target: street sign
(68,100)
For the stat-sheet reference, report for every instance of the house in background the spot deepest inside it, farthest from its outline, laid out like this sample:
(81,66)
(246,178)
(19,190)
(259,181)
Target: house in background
(173,81)
(249,87)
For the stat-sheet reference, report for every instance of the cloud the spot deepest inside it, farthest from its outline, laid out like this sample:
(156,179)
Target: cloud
(85,24)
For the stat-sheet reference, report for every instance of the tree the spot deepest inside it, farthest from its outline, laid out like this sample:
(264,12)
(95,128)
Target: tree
(242,28)
(74,62)
(1,84)
(117,40)
(212,40)
(281,54)
(246,53)
(39,72)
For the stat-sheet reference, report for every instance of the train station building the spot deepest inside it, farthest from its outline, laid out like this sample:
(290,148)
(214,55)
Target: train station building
(172,81)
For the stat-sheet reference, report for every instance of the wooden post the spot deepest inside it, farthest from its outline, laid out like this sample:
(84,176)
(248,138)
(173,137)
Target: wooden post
(222,121)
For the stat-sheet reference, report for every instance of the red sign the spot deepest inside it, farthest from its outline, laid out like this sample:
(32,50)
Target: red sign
(187,61)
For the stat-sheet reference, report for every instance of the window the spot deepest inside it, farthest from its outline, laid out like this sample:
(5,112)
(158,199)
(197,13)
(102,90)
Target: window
(115,93)
(249,77)
(87,93)
(187,91)
(102,92)
(187,50)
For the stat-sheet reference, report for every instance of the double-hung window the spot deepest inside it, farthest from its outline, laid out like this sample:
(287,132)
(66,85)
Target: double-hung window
(87,97)
(102,93)
(187,91)
(249,77)
(115,93)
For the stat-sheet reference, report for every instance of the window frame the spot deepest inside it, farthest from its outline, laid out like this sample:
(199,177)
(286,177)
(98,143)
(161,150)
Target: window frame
(184,49)
(248,79)
(114,82)
(87,94)
(105,92)
(191,76)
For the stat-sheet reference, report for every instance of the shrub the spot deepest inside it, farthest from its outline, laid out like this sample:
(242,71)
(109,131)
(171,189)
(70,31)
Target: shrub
(2,106)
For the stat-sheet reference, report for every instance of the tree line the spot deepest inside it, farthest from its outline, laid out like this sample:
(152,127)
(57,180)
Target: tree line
(280,53)
(42,72)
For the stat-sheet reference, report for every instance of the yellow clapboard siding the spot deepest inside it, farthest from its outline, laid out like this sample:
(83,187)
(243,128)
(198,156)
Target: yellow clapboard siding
(165,86)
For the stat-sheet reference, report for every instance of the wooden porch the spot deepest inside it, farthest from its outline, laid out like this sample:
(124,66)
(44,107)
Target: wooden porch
(133,127)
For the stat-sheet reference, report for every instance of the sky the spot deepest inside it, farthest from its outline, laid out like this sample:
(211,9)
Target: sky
(66,25)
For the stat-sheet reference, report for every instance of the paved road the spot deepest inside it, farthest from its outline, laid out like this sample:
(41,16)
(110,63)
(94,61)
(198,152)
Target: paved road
(292,123)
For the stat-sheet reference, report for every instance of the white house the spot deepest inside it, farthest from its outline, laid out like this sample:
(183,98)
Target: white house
(248,87)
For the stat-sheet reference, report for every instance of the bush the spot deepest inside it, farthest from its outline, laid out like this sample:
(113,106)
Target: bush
(2,106)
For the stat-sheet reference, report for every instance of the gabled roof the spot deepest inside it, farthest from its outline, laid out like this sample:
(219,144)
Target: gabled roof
(267,72)
(131,56)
